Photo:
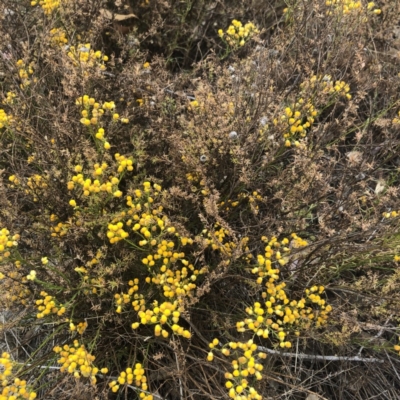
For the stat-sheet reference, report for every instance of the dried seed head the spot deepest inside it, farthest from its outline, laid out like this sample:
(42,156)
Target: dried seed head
(233,135)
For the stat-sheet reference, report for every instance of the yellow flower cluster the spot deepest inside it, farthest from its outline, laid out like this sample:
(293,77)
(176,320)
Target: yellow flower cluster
(166,313)
(36,184)
(101,183)
(142,219)
(129,376)
(16,390)
(83,56)
(24,72)
(277,312)
(92,113)
(81,328)
(252,199)
(237,34)
(125,298)
(7,242)
(14,282)
(13,179)
(9,100)
(76,360)
(168,268)
(244,366)
(4,119)
(48,6)
(392,214)
(347,7)
(48,305)
(326,85)
(59,230)
(295,121)
(174,283)
(218,239)
(58,37)
(395,121)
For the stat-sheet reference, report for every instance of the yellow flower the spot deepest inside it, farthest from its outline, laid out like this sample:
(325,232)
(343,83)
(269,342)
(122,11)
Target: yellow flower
(72,203)
(31,276)
(45,260)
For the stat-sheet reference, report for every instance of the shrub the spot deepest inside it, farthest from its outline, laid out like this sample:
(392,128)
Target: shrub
(199,200)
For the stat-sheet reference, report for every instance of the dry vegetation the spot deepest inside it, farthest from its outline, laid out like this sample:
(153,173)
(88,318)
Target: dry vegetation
(199,199)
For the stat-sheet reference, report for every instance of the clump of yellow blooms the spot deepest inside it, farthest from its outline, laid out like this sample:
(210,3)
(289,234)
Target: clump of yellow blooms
(77,361)
(58,37)
(48,305)
(391,214)
(36,184)
(349,7)
(295,121)
(133,375)
(13,283)
(59,230)
(8,100)
(326,85)
(102,183)
(168,267)
(16,389)
(298,116)
(24,72)
(237,34)
(7,242)
(48,6)
(218,239)
(84,56)
(396,120)
(165,314)
(245,365)
(4,119)
(92,114)
(80,328)
(277,311)
(125,298)
(252,199)
(274,317)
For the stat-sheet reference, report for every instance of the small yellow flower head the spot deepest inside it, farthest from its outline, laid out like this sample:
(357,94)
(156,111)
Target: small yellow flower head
(72,203)
(31,276)
(107,145)
(45,260)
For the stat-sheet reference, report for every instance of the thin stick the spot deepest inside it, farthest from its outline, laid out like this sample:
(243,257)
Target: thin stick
(316,357)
